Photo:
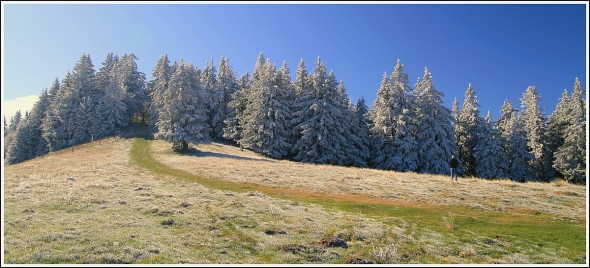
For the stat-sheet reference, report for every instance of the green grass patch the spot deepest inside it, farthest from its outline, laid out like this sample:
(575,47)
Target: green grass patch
(459,225)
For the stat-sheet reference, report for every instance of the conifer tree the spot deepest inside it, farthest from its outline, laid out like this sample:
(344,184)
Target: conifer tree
(28,142)
(513,142)
(363,124)
(113,107)
(15,121)
(157,87)
(225,86)
(570,158)
(556,129)
(520,156)
(435,134)
(103,75)
(183,119)
(266,127)
(38,144)
(355,131)
(490,155)
(322,133)
(467,127)
(303,86)
(82,115)
(133,85)
(51,123)
(209,83)
(18,149)
(237,106)
(394,124)
(533,121)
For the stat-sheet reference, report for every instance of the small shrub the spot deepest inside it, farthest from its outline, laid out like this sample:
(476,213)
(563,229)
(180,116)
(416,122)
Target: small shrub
(449,222)
(385,255)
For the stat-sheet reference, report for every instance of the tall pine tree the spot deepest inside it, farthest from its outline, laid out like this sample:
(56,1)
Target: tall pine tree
(467,128)
(570,158)
(183,118)
(490,155)
(533,121)
(435,134)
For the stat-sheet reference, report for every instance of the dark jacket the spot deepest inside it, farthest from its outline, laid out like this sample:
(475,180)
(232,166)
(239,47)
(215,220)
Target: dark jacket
(454,163)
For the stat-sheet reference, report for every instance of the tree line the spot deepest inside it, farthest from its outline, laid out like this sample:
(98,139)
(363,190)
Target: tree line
(311,119)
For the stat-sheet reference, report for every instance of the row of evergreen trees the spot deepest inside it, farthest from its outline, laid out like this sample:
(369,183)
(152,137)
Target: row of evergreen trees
(310,119)
(86,105)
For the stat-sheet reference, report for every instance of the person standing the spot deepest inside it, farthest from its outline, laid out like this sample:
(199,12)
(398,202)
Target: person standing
(453,163)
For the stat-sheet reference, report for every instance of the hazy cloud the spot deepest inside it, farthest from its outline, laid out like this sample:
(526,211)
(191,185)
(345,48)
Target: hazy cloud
(9,107)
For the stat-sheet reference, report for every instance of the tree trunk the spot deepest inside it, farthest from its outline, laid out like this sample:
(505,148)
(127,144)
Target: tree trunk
(184,146)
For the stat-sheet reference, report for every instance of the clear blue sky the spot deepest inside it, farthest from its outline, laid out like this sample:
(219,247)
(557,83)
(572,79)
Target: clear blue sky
(500,49)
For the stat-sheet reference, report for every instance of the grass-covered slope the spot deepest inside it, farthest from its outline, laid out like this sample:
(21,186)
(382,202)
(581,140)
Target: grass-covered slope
(134,201)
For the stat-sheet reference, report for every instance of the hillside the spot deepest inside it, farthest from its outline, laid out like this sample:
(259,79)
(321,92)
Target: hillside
(134,201)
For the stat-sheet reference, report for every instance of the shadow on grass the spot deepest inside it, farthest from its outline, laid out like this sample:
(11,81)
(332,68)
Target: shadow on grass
(197,153)
(136,130)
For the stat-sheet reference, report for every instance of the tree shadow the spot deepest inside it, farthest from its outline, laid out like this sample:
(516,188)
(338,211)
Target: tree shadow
(197,153)
(136,130)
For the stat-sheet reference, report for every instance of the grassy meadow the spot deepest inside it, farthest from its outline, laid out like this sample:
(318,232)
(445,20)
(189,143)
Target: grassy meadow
(135,201)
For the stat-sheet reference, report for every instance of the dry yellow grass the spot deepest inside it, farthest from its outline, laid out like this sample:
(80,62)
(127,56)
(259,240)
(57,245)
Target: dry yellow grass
(92,205)
(563,200)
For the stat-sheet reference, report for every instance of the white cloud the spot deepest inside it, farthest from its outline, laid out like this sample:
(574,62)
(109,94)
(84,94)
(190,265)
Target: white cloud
(24,104)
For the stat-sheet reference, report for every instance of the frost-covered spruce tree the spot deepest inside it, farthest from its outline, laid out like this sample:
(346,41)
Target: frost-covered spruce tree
(85,121)
(490,155)
(209,83)
(157,86)
(19,148)
(50,122)
(183,118)
(467,128)
(506,113)
(455,111)
(513,142)
(406,121)
(236,107)
(15,121)
(221,92)
(533,121)
(284,82)
(38,113)
(84,93)
(303,85)
(113,107)
(266,127)
(435,134)
(68,103)
(382,129)
(246,97)
(133,85)
(321,136)
(29,142)
(363,122)
(518,152)
(555,132)
(394,124)
(362,112)
(570,158)
(357,150)
(103,76)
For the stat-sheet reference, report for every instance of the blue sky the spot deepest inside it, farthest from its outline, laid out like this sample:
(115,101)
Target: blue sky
(500,49)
